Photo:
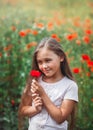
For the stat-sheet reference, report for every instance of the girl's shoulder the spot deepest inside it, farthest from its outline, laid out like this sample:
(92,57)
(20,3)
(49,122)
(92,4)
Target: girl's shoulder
(70,81)
(71,89)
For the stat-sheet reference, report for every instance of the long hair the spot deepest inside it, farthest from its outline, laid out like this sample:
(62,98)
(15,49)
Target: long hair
(53,45)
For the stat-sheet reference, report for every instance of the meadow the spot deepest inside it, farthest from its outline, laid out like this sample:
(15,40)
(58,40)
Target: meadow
(22,25)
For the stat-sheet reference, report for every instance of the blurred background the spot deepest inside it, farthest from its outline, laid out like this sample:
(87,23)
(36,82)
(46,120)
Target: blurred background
(23,23)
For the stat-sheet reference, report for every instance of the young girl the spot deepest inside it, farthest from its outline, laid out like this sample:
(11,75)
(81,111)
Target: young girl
(50,100)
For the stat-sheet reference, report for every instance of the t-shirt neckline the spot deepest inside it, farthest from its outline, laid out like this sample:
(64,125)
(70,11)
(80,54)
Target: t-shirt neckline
(58,82)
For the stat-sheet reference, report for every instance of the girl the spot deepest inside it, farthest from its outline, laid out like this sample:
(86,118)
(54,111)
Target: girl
(49,100)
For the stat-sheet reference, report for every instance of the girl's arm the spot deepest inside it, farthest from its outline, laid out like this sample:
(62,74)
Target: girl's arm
(59,114)
(26,108)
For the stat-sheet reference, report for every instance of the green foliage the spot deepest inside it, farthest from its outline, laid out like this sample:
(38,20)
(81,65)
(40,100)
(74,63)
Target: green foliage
(19,34)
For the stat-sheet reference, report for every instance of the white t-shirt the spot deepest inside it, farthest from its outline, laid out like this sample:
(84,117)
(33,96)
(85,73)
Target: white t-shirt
(57,92)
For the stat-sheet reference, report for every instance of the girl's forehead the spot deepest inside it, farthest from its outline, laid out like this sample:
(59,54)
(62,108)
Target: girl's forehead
(44,51)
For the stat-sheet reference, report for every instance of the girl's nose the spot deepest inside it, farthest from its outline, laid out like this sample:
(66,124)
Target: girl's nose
(44,65)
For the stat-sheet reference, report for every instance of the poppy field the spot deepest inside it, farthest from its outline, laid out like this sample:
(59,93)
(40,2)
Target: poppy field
(22,26)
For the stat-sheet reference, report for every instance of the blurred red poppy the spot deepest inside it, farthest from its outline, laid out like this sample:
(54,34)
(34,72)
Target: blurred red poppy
(22,33)
(86,39)
(76,70)
(71,36)
(88,31)
(85,57)
(90,63)
(55,36)
(34,32)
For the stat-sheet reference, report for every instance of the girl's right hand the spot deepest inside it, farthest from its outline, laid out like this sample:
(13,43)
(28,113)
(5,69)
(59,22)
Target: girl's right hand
(37,101)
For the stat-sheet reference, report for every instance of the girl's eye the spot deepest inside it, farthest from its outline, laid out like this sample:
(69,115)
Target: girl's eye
(39,62)
(48,60)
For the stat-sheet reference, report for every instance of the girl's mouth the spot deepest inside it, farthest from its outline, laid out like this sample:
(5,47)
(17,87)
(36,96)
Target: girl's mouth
(46,71)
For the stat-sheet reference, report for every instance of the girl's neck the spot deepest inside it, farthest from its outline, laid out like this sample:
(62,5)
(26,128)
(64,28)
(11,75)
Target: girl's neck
(52,79)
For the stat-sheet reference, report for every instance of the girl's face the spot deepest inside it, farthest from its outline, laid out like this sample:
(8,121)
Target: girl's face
(49,63)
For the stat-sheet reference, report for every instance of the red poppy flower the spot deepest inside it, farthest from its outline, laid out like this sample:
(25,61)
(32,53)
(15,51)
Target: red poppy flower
(88,31)
(34,32)
(76,70)
(71,36)
(35,73)
(55,36)
(50,26)
(90,63)
(31,44)
(86,39)
(7,48)
(40,25)
(85,57)
(22,33)
(91,69)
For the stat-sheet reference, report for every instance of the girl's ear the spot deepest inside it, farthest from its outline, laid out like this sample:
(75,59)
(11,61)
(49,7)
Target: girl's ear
(61,59)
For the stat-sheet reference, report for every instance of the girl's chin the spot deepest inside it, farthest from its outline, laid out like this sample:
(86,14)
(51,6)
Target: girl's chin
(47,75)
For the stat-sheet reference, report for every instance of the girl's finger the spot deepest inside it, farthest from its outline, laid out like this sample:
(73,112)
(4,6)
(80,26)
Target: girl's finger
(33,90)
(35,83)
(37,102)
(35,95)
(38,98)
(34,86)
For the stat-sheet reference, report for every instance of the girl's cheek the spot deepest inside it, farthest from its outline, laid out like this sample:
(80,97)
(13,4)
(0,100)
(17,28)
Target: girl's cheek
(40,67)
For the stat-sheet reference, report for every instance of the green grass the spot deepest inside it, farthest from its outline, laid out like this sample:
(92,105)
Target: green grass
(39,8)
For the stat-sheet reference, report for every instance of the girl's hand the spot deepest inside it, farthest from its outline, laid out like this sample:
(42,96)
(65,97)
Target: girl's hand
(36,87)
(35,97)
(37,101)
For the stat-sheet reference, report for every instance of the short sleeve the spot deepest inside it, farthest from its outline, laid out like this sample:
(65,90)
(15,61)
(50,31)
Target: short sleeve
(72,92)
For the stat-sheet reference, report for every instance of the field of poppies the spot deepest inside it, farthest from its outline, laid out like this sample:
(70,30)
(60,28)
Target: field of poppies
(22,25)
